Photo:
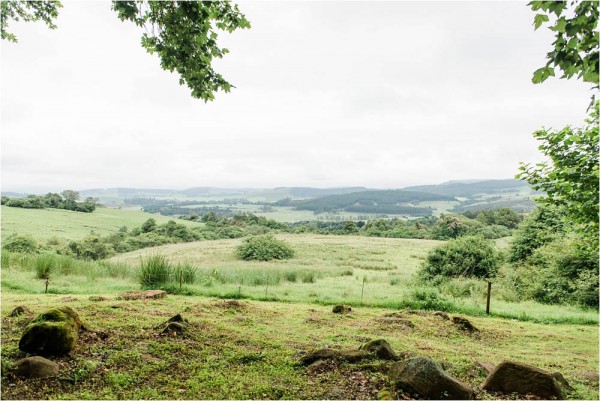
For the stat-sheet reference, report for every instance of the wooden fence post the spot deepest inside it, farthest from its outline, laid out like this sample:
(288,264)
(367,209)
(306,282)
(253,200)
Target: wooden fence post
(489,293)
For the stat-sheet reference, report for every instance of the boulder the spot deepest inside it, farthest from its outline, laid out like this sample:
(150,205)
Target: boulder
(513,377)
(425,377)
(54,332)
(35,366)
(341,309)
(591,376)
(20,310)
(314,356)
(175,328)
(381,348)
(487,366)
(443,315)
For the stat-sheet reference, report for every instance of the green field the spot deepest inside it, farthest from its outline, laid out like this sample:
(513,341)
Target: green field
(43,224)
(250,350)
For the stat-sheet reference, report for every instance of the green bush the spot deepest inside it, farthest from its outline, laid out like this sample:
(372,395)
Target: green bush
(20,243)
(155,272)
(542,226)
(264,248)
(462,257)
(90,248)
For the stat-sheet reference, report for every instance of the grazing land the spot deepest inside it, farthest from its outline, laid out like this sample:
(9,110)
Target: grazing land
(250,350)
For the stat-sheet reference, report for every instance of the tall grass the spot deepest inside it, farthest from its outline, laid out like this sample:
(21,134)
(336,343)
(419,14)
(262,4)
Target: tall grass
(44,265)
(155,272)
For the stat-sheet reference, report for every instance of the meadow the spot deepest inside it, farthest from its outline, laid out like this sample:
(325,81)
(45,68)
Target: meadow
(43,224)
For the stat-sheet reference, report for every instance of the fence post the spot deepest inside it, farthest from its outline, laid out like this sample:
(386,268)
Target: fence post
(45,292)
(180,278)
(362,292)
(489,293)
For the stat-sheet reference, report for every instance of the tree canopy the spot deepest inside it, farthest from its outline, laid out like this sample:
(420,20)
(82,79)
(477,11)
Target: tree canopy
(575,51)
(182,33)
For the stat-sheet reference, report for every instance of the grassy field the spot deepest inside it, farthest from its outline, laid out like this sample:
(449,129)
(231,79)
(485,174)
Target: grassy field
(43,224)
(250,350)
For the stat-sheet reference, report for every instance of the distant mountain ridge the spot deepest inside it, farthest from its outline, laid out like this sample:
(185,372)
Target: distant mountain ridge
(472,188)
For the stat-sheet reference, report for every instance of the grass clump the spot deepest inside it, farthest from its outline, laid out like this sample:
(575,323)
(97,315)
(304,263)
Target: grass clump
(155,272)
(264,248)
(44,265)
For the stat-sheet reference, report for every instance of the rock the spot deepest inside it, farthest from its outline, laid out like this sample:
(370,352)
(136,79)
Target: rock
(562,381)
(96,298)
(354,356)
(175,328)
(385,394)
(591,376)
(512,377)
(178,318)
(425,377)
(35,366)
(150,294)
(488,367)
(464,324)
(19,310)
(443,315)
(314,356)
(68,299)
(341,309)
(381,348)
(322,365)
(54,332)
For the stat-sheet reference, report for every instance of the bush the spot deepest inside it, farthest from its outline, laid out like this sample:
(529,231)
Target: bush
(542,226)
(463,257)
(91,248)
(20,243)
(155,271)
(264,248)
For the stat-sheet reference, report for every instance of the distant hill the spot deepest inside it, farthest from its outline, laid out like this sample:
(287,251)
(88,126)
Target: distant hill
(375,201)
(468,189)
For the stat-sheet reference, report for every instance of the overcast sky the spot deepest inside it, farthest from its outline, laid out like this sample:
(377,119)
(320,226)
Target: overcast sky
(377,94)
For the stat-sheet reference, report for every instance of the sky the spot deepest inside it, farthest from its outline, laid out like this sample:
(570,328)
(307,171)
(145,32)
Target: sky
(327,94)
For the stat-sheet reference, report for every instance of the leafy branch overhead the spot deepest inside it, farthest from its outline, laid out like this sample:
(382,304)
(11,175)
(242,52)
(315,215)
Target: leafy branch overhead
(28,11)
(184,35)
(575,51)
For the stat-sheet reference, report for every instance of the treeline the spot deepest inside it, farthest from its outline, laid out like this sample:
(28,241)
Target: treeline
(389,202)
(67,200)
(172,207)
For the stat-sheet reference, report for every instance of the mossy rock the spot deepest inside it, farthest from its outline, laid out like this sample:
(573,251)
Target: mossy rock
(380,348)
(54,332)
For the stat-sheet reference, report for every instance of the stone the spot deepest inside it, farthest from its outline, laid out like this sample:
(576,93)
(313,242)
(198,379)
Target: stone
(150,294)
(175,328)
(464,324)
(443,315)
(513,377)
(381,348)
(341,309)
(397,321)
(425,377)
(488,367)
(97,298)
(54,332)
(354,356)
(591,376)
(35,366)
(20,310)
(324,353)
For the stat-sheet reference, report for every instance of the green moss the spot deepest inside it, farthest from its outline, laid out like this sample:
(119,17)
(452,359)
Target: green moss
(53,332)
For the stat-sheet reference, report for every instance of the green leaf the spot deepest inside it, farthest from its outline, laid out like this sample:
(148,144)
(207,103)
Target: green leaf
(539,20)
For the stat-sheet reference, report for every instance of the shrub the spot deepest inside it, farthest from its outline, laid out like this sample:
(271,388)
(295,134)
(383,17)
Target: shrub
(20,243)
(155,272)
(463,257)
(264,248)
(541,227)
(90,248)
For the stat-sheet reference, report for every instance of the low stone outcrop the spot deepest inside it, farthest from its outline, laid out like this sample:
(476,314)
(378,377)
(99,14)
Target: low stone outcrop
(341,309)
(513,377)
(380,348)
(35,366)
(426,378)
(324,353)
(54,332)
(20,310)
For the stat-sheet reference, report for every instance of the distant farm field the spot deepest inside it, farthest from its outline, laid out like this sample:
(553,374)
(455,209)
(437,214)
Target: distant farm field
(43,224)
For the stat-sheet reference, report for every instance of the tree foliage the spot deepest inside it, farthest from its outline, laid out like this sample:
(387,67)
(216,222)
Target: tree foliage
(27,11)
(182,33)
(570,178)
(575,50)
